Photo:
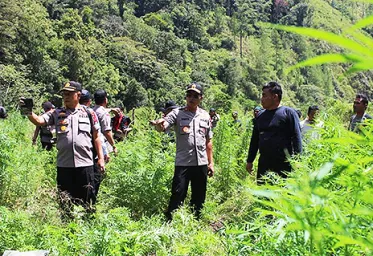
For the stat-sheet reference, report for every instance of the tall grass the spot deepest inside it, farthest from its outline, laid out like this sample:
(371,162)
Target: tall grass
(325,207)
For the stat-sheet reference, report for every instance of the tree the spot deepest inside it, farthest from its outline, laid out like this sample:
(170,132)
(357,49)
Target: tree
(248,14)
(135,95)
(13,84)
(189,23)
(231,73)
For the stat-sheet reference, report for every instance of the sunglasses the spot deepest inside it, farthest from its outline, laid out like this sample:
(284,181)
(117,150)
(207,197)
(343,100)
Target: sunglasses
(190,95)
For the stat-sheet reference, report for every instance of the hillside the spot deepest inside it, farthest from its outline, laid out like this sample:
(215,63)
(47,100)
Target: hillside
(145,52)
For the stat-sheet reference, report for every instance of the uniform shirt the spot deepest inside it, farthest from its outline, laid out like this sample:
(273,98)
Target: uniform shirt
(355,120)
(103,118)
(74,136)
(275,131)
(192,132)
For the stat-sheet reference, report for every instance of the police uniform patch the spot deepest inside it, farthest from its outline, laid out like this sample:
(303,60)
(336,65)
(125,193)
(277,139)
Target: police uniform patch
(94,116)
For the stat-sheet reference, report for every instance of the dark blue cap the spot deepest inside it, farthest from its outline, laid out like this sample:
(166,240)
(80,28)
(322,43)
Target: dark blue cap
(85,96)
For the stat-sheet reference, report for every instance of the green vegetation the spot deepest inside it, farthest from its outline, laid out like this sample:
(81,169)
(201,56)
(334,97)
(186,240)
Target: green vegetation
(324,208)
(143,52)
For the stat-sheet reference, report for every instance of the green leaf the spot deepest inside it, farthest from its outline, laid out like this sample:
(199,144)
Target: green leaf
(363,1)
(295,226)
(362,66)
(322,59)
(366,196)
(362,211)
(345,240)
(358,35)
(329,37)
(363,23)
(264,193)
(324,170)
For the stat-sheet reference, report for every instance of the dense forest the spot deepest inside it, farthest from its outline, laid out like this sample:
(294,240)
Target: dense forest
(145,52)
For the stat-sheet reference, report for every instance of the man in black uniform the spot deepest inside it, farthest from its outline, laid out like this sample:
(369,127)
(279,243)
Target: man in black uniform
(276,134)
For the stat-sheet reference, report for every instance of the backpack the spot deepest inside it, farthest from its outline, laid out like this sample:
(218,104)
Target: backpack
(46,134)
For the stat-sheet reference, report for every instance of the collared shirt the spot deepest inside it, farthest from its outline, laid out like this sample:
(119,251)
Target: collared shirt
(103,117)
(192,130)
(74,136)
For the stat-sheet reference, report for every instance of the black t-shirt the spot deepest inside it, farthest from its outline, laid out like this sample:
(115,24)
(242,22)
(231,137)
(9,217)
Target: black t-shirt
(275,132)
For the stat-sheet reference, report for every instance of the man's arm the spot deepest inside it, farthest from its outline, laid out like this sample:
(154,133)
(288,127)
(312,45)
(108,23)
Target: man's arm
(109,136)
(36,134)
(36,120)
(296,137)
(105,123)
(98,147)
(210,157)
(162,124)
(253,149)
(104,147)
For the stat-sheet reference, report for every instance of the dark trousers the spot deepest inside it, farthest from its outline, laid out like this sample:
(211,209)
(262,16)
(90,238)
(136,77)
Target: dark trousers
(269,164)
(98,176)
(197,175)
(47,146)
(75,186)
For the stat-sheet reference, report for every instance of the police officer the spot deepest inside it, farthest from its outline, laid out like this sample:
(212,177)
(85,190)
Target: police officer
(194,161)
(104,118)
(77,131)
(85,99)
(215,117)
